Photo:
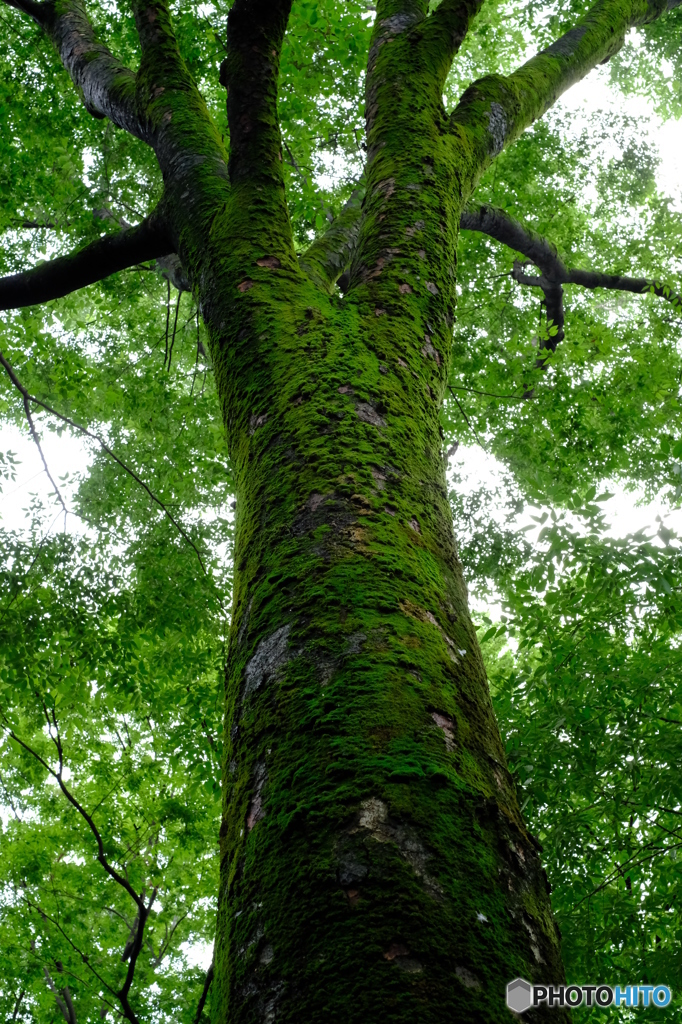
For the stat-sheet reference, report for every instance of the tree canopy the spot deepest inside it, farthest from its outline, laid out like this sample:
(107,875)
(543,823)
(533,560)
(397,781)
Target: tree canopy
(115,603)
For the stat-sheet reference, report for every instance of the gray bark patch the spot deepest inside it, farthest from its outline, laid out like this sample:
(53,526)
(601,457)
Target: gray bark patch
(568,43)
(257,421)
(354,643)
(270,656)
(447,726)
(400,22)
(468,979)
(374,820)
(323,510)
(429,352)
(351,867)
(244,624)
(368,414)
(256,812)
(498,127)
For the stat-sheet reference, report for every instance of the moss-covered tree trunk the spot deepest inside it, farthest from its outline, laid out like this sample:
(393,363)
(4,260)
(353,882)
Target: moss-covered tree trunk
(374,863)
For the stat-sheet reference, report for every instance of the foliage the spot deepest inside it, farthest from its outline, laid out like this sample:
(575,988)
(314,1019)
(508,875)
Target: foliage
(111,636)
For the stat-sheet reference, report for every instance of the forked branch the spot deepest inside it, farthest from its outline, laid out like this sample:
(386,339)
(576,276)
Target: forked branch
(554,273)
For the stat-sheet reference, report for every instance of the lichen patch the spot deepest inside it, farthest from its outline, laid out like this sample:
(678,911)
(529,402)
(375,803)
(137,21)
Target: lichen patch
(256,811)
(368,414)
(270,656)
(498,127)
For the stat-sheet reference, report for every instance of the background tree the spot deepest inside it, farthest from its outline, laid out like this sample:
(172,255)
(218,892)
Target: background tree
(374,856)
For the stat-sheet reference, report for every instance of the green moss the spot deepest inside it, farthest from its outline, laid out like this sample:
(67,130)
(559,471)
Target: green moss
(344,536)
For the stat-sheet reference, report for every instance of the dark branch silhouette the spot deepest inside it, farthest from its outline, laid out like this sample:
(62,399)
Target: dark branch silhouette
(204,994)
(66,274)
(554,273)
(131,954)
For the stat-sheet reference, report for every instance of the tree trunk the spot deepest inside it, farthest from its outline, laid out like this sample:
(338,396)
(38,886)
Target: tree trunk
(374,861)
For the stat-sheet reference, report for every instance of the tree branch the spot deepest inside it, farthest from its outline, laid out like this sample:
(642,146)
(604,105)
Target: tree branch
(104,446)
(17,1003)
(63,999)
(124,991)
(554,273)
(331,253)
(494,111)
(445,31)
(204,994)
(106,256)
(255,32)
(36,439)
(106,86)
(84,957)
(101,856)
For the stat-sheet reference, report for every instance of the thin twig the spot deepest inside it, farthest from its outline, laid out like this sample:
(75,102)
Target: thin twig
(96,437)
(36,439)
(204,994)
(167,321)
(466,418)
(84,957)
(630,862)
(489,394)
(175,327)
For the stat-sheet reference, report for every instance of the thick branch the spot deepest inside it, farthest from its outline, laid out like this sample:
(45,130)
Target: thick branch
(330,255)
(494,111)
(445,31)
(107,87)
(255,32)
(155,30)
(96,261)
(554,273)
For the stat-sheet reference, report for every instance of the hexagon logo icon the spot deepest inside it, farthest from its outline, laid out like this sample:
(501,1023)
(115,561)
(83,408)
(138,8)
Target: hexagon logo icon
(519,995)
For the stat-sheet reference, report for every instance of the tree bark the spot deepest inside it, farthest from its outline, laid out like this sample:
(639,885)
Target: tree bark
(374,860)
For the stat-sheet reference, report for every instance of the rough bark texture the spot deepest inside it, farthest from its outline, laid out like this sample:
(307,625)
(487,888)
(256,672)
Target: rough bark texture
(374,859)
(374,863)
